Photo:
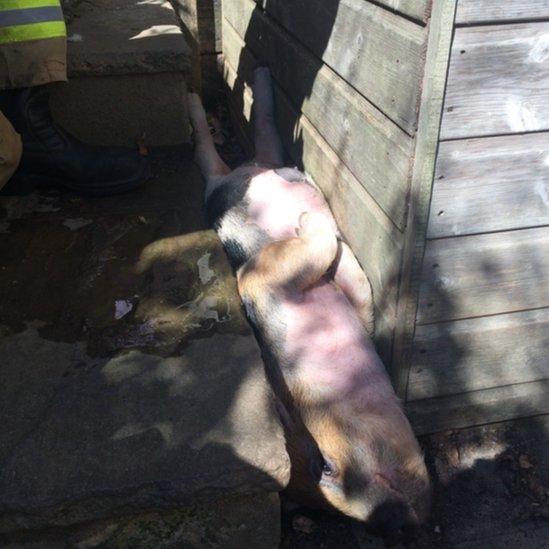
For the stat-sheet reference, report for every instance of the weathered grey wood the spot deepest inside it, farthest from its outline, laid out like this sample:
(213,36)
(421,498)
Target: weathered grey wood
(416,9)
(202,18)
(479,353)
(475,12)
(374,239)
(479,407)
(498,81)
(438,51)
(376,51)
(490,184)
(375,150)
(484,274)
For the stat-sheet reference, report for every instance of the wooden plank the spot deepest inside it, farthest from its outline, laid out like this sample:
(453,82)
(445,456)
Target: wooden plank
(438,51)
(416,9)
(484,274)
(383,60)
(479,353)
(479,407)
(490,184)
(342,116)
(476,12)
(202,19)
(498,82)
(374,239)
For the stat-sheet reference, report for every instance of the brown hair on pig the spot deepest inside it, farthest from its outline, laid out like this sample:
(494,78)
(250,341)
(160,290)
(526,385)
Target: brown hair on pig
(359,459)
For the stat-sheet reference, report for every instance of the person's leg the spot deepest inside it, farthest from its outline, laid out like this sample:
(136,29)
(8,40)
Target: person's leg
(206,155)
(32,54)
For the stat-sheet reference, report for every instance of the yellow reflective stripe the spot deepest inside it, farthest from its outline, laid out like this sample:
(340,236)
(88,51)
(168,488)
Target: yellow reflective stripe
(6,5)
(34,31)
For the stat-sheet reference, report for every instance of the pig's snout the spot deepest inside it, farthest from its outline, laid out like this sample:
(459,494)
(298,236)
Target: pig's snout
(393,521)
(370,468)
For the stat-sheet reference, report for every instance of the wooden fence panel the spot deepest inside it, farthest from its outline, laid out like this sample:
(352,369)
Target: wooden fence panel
(476,12)
(376,51)
(484,274)
(374,149)
(479,353)
(498,82)
(490,184)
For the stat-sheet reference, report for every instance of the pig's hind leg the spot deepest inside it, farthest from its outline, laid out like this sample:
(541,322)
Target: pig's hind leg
(268,148)
(351,279)
(206,155)
(294,264)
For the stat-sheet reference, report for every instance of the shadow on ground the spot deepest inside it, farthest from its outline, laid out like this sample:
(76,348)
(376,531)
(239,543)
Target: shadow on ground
(131,380)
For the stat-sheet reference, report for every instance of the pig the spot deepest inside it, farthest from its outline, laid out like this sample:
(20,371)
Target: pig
(351,447)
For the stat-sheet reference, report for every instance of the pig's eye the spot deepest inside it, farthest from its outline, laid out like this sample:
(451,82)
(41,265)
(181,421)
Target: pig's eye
(329,469)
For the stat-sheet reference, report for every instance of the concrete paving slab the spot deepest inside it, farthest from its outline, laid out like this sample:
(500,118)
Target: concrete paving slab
(251,521)
(132,380)
(128,37)
(129,64)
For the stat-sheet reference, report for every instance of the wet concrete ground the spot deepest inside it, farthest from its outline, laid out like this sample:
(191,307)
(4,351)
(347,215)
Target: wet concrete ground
(86,280)
(131,380)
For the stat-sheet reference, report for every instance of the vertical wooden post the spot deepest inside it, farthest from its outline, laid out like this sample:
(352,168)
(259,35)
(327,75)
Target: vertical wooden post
(430,114)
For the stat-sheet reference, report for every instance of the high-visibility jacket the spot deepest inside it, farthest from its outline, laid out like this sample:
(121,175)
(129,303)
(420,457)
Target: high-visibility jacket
(24,20)
(32,43)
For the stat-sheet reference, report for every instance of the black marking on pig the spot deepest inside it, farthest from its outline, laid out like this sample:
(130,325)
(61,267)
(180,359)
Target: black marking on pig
(236,252)
(269,329)
(241,240)
(225,198)
(227,211)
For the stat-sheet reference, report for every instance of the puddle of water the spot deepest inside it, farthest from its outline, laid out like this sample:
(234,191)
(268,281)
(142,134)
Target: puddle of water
(121,308)
(77,223)
(204,272)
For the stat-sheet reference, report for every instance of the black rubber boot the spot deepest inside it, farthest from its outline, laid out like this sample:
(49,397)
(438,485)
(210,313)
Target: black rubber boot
(53,157)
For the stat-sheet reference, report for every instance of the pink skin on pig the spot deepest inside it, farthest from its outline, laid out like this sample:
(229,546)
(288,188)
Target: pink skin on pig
(328,346)
(276,204)
(345,412)
(323,332)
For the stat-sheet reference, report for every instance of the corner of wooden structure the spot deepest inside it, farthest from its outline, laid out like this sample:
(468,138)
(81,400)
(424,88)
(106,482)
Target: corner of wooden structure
(437,59)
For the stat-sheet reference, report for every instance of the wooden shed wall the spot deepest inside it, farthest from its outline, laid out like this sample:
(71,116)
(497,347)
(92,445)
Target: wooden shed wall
(348,79)
(449,220)
(481,345)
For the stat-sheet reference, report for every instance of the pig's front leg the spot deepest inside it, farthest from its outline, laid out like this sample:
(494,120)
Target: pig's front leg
(350,277)
(294,264)
(268,148)
(206,155)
